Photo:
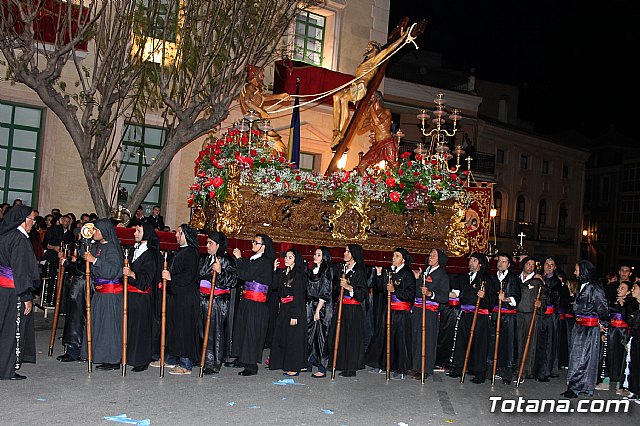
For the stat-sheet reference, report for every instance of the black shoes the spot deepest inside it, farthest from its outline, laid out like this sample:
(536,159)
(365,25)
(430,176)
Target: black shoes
(569,394)
(67,358)
(108,367)
(347,374)
(139,368)
(16,376)
(233,364)
(247,373)
(477,381)
(543,380)
(506,381)
(453,374)
(209,370)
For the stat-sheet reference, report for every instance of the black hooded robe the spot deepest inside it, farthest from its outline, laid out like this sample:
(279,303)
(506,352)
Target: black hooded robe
(508,345)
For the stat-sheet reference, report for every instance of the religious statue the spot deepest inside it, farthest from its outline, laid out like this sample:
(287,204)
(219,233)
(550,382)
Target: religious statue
(252,97)
(374,55)
(383,145)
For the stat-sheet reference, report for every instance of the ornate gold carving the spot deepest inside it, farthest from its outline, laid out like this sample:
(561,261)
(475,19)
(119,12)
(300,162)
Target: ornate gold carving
(456,239)
(197,218)
(228,218)
(351,220)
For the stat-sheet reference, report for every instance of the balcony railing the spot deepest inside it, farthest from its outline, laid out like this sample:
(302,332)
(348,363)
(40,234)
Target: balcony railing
(533,231)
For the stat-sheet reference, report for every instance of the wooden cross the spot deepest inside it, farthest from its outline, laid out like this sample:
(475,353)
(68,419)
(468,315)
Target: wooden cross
(521,235)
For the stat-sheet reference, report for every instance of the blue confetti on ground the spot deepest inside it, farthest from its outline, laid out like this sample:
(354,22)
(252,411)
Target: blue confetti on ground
(285,382)
(254,406)
(122,418)
(327,411)
(41,399)
(230,404)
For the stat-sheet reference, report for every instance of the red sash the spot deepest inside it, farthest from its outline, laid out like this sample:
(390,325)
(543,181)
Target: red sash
(550,310)
(587,321)
(401,306)
(453,302)
(216,291)
(110,288)
(256,296)
(133,289)
(6,282)
(349,301)
(619,323)
(286,299)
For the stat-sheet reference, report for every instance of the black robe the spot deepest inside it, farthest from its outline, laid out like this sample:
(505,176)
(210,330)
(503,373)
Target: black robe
(75,318)
(16,253)
(617,337)
(468,297)
(507,347)
(351,345)
(404,283)
(528,293)
(219,341)
(250,328)
(289,345)
(106,308)
(438,284)
(449,322)
(633,367)
(183,305)
(319,288)
(548,340)
(140,314)
(565,313)
(583,359)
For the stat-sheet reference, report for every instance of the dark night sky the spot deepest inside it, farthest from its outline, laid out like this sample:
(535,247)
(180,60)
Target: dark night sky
(573,61)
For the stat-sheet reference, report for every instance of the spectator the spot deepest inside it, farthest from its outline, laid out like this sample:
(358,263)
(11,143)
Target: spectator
(137,218)
(93,217)
(84,218)
(48,221)
(154,219)
(17,202)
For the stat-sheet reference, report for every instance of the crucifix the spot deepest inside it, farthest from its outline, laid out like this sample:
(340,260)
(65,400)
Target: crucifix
(521,235)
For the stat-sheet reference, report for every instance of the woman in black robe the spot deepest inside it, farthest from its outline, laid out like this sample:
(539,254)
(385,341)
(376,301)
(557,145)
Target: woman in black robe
(142,274)
(319,310)
(183,303)
(632,369)
(592,313)
(19,275)
(402,283)
(618,333)
(218,260)
(351,345)
(106,261)
(250,328)
(289,345)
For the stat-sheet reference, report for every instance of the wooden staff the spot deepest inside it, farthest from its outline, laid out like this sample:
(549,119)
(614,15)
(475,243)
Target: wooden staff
(125,313)
(389,328)
(163,323)
(56,311)
(424,331)
(603,367)
(207,324)
(526,346)
(473,329)
(497,345)
(87,273)
(338,323)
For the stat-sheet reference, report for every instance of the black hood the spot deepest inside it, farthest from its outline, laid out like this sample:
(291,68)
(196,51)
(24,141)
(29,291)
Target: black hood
(14,217)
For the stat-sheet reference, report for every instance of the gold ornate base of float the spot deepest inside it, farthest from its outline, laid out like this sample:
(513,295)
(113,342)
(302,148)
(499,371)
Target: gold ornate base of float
(307,219)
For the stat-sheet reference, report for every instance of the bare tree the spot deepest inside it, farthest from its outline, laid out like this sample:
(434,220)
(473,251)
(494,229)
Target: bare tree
(184,59)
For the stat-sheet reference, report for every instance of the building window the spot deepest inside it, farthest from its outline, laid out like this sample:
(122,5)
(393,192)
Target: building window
(631,177)
(542,212)
(309,162)
(500,156)
(140,147)
(629,242)
(20,128)
(630,209)
(524,162)
(162,19)
(565,171)
(545,167)
(520,209)
(309,38)
(562,219)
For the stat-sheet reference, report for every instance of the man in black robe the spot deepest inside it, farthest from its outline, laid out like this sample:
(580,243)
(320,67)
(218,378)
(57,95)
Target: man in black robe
(530,286)
(548,342)
(433,286)
(183,303)
(142,275)
(250,329)
(592,316)
(353,280)
(508,286)
(218,260)
(449,322)
(106,261)
(400,282)
(18,274)
(477,289)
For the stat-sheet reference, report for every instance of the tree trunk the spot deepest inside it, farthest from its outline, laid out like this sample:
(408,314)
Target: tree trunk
(98,196)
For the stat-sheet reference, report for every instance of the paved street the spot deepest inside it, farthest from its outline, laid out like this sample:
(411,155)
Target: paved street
(64,393)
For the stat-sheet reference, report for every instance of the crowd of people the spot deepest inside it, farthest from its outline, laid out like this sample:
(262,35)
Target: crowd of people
(522,320)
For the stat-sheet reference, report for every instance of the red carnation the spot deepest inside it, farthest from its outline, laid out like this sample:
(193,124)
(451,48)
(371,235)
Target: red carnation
(416,174)
(217,182)
(400,172)
(253,152)
(390,182)
(409,163)
(278,179)
(212,194)
(395,196)
(405,155)
(298,177)
(434,161)
(401,186)
(454,176)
